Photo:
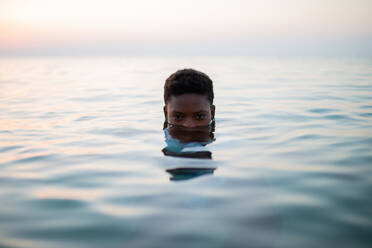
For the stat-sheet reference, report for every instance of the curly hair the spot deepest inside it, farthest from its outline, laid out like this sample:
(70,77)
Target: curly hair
(188,81)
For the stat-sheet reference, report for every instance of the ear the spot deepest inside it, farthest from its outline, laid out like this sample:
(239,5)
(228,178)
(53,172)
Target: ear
(165,112)
(213,110)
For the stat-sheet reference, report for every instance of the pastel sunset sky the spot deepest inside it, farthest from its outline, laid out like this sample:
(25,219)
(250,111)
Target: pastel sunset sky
(206,27)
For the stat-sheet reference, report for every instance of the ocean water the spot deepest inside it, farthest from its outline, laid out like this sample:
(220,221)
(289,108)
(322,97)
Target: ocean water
(81,161)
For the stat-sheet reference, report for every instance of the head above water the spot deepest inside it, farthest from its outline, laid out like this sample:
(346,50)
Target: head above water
(188,98)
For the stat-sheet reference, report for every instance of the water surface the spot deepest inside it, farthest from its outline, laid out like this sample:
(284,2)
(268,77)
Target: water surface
(82,165)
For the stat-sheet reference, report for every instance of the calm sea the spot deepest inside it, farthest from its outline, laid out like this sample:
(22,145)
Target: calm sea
(81,162)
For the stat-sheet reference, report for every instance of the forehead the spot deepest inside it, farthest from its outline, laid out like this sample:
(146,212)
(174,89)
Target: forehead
(195,102)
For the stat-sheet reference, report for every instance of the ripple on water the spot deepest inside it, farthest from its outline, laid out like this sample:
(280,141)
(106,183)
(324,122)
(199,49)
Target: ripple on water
(355,160)
(365,106)
(322,110)
(56,204)
(367,115)
(82,233)
(36,158)
(89,178)
(338,117)
(85,118)
(9,148)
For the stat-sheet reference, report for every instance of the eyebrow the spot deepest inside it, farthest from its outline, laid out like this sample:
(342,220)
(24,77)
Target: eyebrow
(178,112)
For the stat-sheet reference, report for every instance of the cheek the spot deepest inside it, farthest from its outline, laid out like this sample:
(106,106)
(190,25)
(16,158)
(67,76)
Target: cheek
(209,115)
(169,116)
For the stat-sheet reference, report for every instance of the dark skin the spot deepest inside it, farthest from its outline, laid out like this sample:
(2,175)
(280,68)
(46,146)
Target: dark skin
(197,134)
(189,110)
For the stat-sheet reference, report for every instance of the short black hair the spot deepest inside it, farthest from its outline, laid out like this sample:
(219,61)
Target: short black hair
(188,81)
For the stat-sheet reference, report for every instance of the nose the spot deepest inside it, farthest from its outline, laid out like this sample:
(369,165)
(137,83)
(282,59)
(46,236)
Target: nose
(189,122)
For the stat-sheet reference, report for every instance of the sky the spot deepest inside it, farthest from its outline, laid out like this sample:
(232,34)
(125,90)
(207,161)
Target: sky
(195,27)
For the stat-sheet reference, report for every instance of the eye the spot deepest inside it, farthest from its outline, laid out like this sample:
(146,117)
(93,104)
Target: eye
(177,116)
(200,116)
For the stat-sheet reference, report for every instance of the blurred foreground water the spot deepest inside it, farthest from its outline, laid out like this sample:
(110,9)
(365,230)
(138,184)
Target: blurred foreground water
(81,161)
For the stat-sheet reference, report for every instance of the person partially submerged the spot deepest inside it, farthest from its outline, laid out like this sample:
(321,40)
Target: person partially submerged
(188,99)
(189,119)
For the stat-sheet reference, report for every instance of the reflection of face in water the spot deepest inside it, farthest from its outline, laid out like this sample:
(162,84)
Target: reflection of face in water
(188,143)
(202,134)
(188,128)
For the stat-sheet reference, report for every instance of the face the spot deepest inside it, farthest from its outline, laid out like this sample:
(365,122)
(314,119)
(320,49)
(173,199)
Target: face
(189,110)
